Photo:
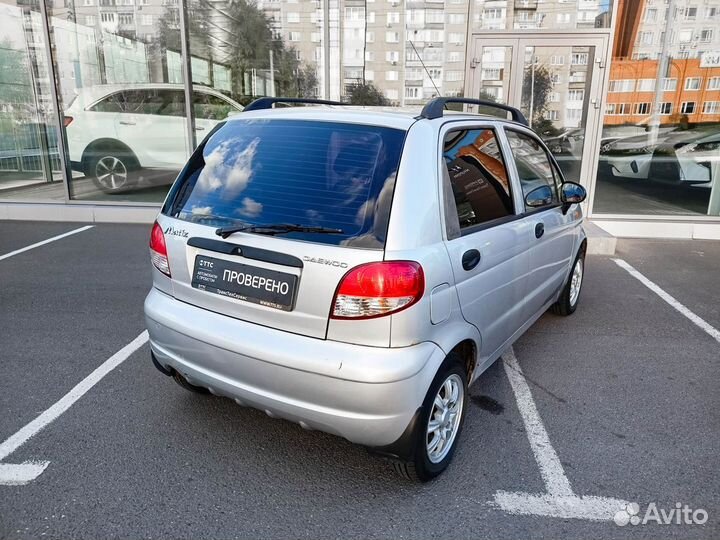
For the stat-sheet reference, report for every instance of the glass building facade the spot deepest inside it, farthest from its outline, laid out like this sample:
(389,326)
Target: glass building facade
(102,101)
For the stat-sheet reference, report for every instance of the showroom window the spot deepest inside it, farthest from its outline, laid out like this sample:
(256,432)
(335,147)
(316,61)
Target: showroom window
(660,159)
(128,147)
(119,116)
(30,167)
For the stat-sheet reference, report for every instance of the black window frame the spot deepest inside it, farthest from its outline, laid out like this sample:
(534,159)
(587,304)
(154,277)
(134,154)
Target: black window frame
(558,178)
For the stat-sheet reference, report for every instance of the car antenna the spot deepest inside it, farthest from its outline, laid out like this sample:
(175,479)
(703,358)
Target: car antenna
(424,67)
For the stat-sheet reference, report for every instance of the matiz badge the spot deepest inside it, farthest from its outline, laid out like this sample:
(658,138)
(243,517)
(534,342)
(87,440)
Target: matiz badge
(182,233)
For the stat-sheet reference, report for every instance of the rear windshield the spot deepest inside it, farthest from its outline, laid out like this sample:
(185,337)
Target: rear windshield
(317,174)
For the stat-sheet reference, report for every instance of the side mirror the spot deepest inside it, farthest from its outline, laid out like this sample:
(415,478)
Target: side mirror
(572,193)
(540,196)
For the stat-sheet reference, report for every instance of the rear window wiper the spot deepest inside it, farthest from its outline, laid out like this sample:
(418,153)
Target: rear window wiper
(272,230)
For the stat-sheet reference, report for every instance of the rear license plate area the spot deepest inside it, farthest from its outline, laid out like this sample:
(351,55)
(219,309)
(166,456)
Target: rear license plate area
(245,282)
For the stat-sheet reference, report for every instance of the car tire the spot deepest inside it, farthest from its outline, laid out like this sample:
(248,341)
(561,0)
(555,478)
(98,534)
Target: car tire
(183,382)
(570,296)
(111,167)
(429,461)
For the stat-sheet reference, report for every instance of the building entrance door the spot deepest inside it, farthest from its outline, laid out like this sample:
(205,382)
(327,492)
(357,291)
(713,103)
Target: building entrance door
(555,81)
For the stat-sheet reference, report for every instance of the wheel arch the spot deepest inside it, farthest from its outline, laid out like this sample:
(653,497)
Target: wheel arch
(106,142)
(467,350)
(463,339)
(403,448)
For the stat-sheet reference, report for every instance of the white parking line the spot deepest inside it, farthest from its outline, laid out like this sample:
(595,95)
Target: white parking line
(38,244)
(28,471)
(559,501)
(701,323)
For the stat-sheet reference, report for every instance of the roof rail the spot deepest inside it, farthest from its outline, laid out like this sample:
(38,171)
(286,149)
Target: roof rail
(434,108)
(268,102)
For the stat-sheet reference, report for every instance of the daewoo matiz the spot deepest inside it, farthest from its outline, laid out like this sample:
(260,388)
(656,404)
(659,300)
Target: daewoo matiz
(354,270)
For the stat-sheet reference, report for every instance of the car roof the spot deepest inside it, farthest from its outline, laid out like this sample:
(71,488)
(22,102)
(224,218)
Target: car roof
(392,117)
(90,94)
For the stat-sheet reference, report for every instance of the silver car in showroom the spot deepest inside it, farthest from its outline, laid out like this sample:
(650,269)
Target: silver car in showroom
(355,269)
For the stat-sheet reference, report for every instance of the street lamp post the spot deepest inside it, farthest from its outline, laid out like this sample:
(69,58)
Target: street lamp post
(661,74)
(533,62)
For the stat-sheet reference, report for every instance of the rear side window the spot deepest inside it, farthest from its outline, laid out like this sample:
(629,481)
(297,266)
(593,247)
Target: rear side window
(110,104)
(149,101)
(210,107)
(478,178)
(319,174)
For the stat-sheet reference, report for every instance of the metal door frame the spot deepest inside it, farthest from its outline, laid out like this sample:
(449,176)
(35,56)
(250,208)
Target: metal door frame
(518,41)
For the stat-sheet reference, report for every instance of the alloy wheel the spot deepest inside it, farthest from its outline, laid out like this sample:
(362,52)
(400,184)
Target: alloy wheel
(445,416)
(576,281)
(111,172)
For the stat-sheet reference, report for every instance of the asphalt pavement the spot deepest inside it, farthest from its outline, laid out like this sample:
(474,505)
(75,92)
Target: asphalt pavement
(626,389)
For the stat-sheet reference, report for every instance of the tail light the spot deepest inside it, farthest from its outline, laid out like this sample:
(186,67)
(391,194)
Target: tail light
(158,250)
(377,289)
(67,120)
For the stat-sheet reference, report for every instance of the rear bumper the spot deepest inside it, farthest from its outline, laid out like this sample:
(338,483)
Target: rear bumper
(367,395)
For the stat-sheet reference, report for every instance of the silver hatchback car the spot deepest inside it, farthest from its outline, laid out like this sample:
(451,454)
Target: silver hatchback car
(354,270)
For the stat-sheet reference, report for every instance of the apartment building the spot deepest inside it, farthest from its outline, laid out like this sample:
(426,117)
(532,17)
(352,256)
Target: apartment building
(695,29)
(130,18)
(410,50)
(690,86)
(299,24)
(537,14)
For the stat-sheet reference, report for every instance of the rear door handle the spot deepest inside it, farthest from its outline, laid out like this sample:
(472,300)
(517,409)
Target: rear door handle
(199,128)
(539,230)
(470,259)
(125,123)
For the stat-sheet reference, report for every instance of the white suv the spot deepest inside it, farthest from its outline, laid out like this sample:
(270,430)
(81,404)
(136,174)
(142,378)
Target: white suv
(353,270)
(116,131)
